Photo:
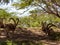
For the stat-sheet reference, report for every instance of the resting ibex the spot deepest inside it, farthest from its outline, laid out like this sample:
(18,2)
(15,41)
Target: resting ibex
(10,26)
(46,28)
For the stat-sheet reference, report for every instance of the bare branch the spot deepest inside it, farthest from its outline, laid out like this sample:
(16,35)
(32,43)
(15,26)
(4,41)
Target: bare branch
(49,9)
(26,9)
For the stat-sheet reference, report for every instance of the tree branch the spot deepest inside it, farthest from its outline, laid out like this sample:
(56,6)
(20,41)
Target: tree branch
(49,9)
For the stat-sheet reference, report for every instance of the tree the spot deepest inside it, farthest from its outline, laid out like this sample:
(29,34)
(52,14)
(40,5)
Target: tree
(5,1)
(4,14)
(48,6)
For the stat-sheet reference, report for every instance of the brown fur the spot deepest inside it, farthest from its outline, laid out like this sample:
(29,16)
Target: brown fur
(46,28)
(1,22)
(11,26)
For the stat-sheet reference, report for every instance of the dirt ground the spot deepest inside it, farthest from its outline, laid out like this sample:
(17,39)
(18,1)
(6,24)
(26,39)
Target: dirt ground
(35,34)
(38,31)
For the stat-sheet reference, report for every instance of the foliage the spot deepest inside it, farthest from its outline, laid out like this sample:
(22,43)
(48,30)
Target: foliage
(48,6)
(23,4)
(4,14)
(5,1)
(20,43)
(35,20)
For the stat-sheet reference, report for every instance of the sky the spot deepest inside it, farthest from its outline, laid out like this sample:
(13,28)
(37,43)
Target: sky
(10,9)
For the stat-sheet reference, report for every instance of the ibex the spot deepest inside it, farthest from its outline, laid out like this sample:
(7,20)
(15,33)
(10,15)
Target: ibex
(10,26)
(46,28)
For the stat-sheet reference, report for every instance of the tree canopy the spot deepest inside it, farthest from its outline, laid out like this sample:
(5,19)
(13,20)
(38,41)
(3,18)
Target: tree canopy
(4,13)
(48,6)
